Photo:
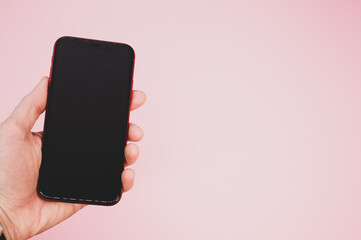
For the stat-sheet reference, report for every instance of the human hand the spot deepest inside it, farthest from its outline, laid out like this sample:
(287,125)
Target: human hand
(22,213)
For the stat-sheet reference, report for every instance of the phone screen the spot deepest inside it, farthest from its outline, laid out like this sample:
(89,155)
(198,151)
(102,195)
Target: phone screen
(86,121)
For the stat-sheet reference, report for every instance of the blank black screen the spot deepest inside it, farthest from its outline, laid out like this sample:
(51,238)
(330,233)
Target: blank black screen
(86,121)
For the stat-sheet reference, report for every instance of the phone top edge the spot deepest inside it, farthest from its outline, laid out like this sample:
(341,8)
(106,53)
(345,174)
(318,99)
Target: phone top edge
(95,40)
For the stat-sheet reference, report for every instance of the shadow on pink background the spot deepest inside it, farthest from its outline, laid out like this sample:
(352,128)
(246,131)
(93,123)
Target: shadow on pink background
(252,125)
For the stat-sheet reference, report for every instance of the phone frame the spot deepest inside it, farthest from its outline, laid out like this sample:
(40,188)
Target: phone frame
(86,201)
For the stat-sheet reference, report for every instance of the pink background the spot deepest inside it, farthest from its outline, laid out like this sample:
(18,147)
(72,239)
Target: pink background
(253,120)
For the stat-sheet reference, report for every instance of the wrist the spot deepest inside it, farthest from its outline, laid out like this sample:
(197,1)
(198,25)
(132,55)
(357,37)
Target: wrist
(4,225)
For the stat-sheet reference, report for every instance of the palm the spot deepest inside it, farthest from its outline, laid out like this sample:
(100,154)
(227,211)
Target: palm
(22,213)
(21,157)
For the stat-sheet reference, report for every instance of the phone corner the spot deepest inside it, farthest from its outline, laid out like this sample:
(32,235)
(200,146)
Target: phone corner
(130,49)
(114,201)
(61,39)
(42,195)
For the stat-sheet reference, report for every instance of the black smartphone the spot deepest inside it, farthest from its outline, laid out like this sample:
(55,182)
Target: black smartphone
(86,121)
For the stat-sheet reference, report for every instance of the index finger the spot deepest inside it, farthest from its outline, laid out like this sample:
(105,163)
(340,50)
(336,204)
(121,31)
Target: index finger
(138,99)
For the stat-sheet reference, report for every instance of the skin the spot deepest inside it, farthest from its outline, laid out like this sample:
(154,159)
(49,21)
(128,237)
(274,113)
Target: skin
(22,213)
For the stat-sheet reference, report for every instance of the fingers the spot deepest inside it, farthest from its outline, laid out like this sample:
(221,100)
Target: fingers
(127,179)
(138,99)
(135,133)
(131,153)
(31,106)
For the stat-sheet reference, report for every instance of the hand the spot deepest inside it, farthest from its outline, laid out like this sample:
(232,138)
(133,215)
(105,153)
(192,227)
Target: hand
(22,213)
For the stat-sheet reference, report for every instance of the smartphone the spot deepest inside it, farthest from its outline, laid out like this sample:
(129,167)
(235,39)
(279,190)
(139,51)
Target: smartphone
(86,121)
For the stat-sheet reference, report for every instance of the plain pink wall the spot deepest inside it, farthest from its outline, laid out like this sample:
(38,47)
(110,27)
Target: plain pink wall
(252,125)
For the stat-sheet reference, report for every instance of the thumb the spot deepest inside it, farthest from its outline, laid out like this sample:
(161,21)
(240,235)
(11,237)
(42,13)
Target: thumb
(31,106)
